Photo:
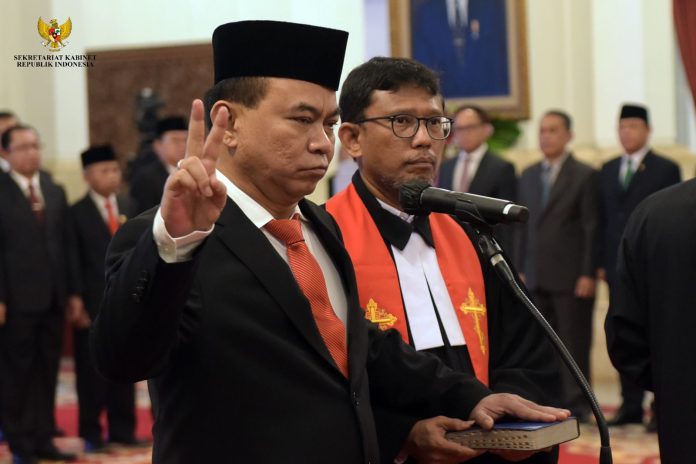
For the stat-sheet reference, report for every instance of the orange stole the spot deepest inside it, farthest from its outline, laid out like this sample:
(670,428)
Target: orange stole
(378,282)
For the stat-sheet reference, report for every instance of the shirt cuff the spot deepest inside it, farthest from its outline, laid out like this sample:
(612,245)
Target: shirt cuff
(180,249)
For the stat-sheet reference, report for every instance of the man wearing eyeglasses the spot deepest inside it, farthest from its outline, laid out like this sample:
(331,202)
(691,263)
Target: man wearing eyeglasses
(478,170)
(422,275)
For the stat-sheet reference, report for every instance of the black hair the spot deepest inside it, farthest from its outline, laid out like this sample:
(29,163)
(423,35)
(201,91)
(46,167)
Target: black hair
(382,73)
(480,112)
(565,117)
(249,91)
(6,137)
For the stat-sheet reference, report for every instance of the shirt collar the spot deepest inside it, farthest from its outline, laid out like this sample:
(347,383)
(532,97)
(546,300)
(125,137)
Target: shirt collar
(636,157)
(476,155)
(256,213)
(101,200)
(23,182)
(556,164)
(394,225)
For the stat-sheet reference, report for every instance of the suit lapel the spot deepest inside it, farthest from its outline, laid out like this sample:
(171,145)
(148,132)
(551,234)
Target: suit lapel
(93,216)
(254,250)
(480,174)
(562,180)
(536,188)
(640,173)
(356,337)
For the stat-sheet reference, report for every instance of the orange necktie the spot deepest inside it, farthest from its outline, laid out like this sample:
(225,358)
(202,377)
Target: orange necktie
(311,280)
(111,220)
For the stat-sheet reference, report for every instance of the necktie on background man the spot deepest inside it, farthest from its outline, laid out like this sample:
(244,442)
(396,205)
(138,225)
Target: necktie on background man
(310,278)
(111,219)
(629,174)
(36,206)
(464,181)
(545,184)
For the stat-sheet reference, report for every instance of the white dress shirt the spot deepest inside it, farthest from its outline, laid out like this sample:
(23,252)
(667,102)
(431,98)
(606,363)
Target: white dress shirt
(181,248)
(100,201)
(420,277)
(463,12)
(23,184)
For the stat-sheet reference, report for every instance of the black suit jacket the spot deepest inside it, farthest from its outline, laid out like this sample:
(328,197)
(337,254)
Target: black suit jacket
(558,243)
(147,186)
(495,177)
(617,204)
(34,259)
(92,236)
(237,364)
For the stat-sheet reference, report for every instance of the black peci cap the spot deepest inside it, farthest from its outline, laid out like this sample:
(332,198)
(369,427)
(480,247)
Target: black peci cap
(635,111)
(171,123)
(279,49)
(97,154)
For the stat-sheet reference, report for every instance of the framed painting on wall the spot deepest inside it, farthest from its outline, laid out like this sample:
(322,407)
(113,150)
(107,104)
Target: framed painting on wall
(478,48)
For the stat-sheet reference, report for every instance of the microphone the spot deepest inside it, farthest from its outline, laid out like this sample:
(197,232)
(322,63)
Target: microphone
(419,197)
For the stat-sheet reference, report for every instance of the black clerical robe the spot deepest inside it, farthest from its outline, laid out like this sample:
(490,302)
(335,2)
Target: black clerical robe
(652,317)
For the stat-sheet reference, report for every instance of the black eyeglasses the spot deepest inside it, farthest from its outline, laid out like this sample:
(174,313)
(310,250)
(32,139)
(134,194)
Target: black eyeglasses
(406,126)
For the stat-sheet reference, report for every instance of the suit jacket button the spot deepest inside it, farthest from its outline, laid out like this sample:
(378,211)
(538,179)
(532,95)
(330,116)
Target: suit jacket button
(136,297)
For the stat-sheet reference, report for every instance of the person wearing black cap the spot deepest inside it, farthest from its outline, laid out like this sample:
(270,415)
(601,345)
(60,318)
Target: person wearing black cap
(169,146)
(624,182)
(95,219)
(237,300)
(35,285)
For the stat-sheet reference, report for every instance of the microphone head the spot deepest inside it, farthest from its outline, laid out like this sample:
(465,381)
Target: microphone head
(410,197)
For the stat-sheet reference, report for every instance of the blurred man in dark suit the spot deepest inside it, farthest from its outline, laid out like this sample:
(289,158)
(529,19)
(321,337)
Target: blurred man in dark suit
(34,287)
(624,182)
(557,249)
(478,170)
(95,219)
(7,120)
(170,146)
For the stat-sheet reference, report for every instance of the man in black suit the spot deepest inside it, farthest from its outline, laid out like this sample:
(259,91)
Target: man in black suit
(624,182)
(170,146)
(557,249)
(34,289)
(478,170)
(651,319)
(407,267)
(237,293)
(95,219)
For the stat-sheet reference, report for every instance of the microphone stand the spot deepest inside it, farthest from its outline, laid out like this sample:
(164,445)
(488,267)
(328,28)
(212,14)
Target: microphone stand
(467,212)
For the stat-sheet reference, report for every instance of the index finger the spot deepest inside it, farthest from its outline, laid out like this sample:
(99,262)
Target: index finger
(196,130)
(213,144)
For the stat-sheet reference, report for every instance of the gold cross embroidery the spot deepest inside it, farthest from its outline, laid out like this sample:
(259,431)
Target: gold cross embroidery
(477,311)
(379,316)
